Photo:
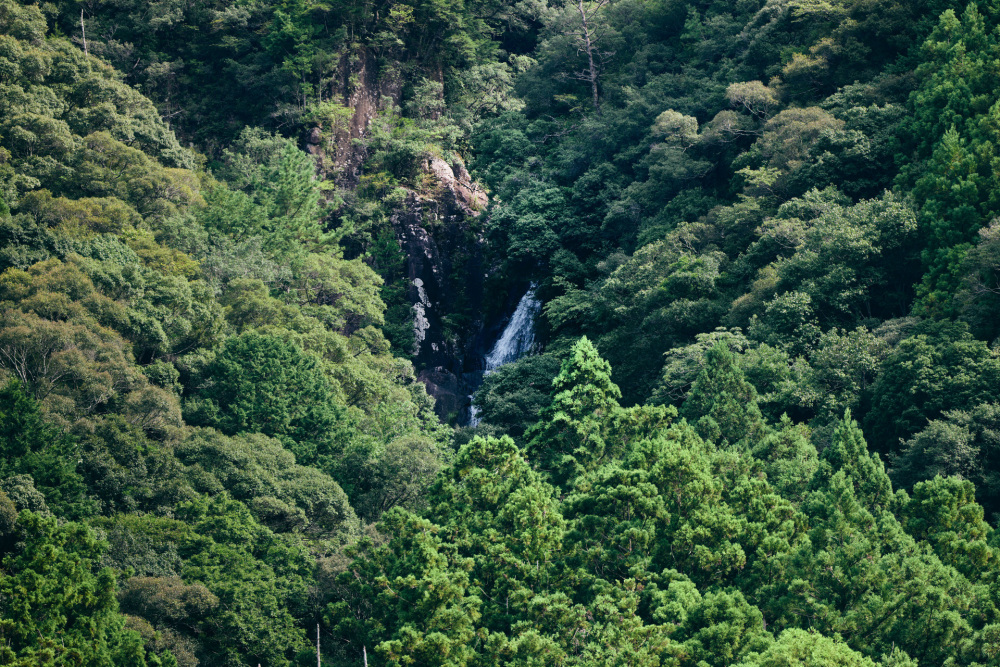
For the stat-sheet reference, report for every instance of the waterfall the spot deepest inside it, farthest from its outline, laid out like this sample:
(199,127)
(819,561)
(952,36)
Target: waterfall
(519,334)
(517,339)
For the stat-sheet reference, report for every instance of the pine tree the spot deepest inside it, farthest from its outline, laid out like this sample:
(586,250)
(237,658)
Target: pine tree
(848,453)
(722,404)
(571,435)
(500,513)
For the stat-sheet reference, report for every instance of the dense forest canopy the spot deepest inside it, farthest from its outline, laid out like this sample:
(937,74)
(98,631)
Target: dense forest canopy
(760,425)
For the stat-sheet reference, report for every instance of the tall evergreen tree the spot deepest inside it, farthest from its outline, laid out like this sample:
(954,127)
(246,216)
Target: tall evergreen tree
(722,404)
(571,434)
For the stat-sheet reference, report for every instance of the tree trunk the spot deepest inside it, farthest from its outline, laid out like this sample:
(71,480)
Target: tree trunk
(589,46)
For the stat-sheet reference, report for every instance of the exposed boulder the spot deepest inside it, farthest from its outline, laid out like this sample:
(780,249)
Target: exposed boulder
(456,184)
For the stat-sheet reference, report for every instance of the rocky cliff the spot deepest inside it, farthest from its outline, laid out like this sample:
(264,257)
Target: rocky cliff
(438,233)
(437,229)
(363,90)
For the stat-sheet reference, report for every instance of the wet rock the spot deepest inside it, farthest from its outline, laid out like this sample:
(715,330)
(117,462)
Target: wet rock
(449,392)
(444,269)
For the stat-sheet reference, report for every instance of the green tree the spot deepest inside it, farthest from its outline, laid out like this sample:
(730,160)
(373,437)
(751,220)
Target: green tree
(614,512)
(266,384)
(788,457)
(60,608)
(570,436)
(260,580)
(943,512)
(848,453)
(513,396)
(30,446)
(409,599)
(809,649)
(964,443)
(941,367)
(280,179)
(258,471)
(499,512)
(722,404)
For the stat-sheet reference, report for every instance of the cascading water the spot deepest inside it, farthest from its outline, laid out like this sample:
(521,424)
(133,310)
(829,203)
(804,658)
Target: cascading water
(517,339)
(519,335)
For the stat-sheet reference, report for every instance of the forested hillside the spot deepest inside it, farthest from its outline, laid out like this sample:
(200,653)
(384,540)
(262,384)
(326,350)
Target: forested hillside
(253,254)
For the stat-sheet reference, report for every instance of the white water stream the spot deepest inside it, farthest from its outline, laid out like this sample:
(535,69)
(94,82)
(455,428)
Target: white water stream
(517,339)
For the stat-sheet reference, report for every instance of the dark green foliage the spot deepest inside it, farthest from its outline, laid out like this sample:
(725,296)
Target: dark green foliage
(965,444)
(29,446)
(764,217)
(259,579)
(266,384)
(942,367)
(514,395)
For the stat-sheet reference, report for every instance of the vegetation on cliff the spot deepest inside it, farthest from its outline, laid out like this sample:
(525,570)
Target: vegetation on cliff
(762,426)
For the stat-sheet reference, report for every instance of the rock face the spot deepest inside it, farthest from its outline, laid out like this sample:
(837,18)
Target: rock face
(364,90)
(444,266)
(456,185)
(435,231)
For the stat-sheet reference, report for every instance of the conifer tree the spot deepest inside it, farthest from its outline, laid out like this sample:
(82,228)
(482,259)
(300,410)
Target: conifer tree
(722,404)
(500,513)
(570,436)
(58,607)
(848,453)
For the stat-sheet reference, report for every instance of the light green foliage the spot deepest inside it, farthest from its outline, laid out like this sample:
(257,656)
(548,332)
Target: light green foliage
(847,453)
(781,382)
(59,606)
(409,599)
(258,471)
(281,182)
(570,438)
(789,459)
(213,583)
(798,647)
(944,513)
(500,513)
(682,365)
(712,542)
